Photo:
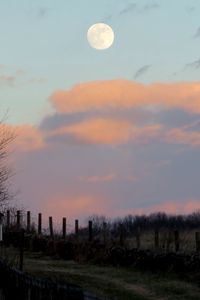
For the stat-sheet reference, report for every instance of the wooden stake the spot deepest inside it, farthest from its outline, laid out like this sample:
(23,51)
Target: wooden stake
(39,223)
(76,228)
(8,219)
(28,225)
(51,226)
(64,228)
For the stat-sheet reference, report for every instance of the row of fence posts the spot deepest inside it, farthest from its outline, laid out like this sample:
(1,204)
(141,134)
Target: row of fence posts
(122,232)
(51,230)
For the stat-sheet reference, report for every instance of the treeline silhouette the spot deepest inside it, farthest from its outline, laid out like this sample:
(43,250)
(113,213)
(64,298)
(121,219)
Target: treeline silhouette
(154,221)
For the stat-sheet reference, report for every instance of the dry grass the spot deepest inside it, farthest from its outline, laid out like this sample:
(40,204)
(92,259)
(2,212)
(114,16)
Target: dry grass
(119,283)
(116,283)
(166,240)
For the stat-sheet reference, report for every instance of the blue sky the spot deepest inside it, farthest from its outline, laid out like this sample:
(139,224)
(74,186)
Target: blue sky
(46,40)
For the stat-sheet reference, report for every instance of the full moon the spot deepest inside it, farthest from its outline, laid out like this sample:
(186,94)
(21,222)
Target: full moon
(100,36)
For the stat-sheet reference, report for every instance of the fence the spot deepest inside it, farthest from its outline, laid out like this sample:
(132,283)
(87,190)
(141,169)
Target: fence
(15,284)
(171,237)
(18,285)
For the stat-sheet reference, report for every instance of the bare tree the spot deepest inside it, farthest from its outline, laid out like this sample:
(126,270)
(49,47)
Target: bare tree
(6,137)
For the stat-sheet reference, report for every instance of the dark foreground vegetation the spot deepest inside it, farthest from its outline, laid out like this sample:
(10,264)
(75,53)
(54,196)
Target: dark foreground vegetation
(138,257)
(114,282)
(156,242)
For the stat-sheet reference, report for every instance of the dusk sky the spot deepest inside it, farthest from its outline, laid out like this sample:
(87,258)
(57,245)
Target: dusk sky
(110,132)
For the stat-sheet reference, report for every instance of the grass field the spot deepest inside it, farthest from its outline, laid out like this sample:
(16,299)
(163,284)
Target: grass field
(166,240)
(117,283)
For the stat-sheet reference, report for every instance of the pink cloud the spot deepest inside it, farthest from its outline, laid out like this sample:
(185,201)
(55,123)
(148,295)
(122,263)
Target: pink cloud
(27,137)
(171,207)
(7,80)
(181,136)
(74,207)
(103,178)
(84,206)
(127,94)
(109,131)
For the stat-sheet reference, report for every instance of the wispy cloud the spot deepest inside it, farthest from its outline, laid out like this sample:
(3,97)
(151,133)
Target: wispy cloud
(141,71)
(12,76)
(18,78)
(191,125)
(184,137)
(130,7)
(172,207)
(139,9)
(190,9)
(20,72)
(197,34)
(100,178)
(42,12)
(7,80)
(39,80)
(149,7)
(194,65)
(107,18)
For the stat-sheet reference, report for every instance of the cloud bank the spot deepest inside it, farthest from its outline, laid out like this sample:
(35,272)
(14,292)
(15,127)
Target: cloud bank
(125,94)
(113,147)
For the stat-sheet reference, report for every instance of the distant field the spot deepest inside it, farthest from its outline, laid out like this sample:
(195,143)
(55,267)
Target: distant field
(116,283)
(166,240)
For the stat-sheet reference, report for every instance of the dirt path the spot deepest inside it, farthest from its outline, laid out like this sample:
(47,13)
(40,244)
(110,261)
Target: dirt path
(56,269)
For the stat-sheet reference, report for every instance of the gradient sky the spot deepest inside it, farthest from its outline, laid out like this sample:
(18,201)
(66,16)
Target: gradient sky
(110,132)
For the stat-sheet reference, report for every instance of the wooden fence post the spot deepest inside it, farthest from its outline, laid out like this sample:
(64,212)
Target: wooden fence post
(8,219)
(90,231)
(76,228)
(28,224)
(138,244)
(177,240)
(64,228)
(156,241)
(197,240)
(18,219)
(51,226)
(39,223)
